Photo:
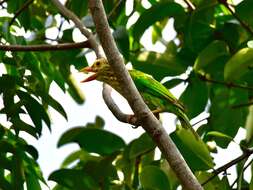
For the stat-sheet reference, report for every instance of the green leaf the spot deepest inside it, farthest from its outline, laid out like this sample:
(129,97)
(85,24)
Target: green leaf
(73,179)
(159,65)
(20,125)
(157,12)
(79,7)
(243,11)
(140,146)
(199,26)
(223,117)
(35,110)
(55,104)
(17,174)
(194,151)
(239,64)
(152,177)
(32,183)
(93,140)
(195,97)
(210,54)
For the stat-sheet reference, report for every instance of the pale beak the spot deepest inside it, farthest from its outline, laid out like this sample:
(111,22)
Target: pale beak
(88,70)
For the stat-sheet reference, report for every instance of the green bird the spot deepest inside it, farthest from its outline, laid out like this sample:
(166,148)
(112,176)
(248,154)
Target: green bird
(158,98)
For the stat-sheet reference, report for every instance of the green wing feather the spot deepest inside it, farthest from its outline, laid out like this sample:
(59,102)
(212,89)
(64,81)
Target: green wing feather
(146,84)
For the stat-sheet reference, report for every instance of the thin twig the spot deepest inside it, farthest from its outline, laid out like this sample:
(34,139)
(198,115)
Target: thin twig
(78,23)
(148,121)
(229,85)
(223,168)
(243,24)
(190,5)
(114,8)
(20,10)
(206,118)
(45,47)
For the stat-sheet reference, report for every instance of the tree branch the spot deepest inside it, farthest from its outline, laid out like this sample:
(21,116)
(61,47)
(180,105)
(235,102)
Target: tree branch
(45,47)
(20,10)
(151,125)
(115,109)
(229,85)
(243,24)
(223,168)
(78,23)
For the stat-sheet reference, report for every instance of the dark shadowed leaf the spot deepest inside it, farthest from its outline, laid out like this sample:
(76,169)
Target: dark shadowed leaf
(244,11)
(73,179)
(35,110)
(194,97)
(93,140)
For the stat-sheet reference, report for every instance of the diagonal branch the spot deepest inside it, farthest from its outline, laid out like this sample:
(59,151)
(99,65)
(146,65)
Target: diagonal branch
(45,47)
(223,168)
(20,10)
(148,121)
(78,23)
(243,24)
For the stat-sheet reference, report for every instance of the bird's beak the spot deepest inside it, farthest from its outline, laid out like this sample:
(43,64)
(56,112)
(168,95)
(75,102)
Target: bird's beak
(88,70)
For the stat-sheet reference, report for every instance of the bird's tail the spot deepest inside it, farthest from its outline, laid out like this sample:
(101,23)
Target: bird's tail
(186,123)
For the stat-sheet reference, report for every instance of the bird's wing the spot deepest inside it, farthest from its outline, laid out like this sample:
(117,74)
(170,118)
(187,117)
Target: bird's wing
(146,83)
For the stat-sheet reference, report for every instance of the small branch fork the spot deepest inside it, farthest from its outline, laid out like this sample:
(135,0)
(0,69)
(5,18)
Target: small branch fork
(245,155)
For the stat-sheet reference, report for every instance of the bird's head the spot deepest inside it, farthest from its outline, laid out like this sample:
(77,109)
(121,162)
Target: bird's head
(101,71)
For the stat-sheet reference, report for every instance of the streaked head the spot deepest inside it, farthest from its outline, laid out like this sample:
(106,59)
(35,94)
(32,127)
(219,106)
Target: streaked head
(101,70)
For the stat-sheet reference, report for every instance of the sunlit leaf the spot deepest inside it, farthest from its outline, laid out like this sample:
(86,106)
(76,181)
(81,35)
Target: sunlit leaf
(153,177)
(239,64)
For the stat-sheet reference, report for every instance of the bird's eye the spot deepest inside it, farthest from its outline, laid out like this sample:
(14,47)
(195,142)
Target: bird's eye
(98,63)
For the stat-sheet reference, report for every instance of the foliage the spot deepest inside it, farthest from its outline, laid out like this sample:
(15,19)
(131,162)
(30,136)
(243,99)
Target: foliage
(211,47)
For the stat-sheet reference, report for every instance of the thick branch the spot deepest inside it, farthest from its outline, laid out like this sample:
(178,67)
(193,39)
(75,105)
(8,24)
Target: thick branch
(45,47)
(223,168)
(144,115)
(20,10)
(67,13)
